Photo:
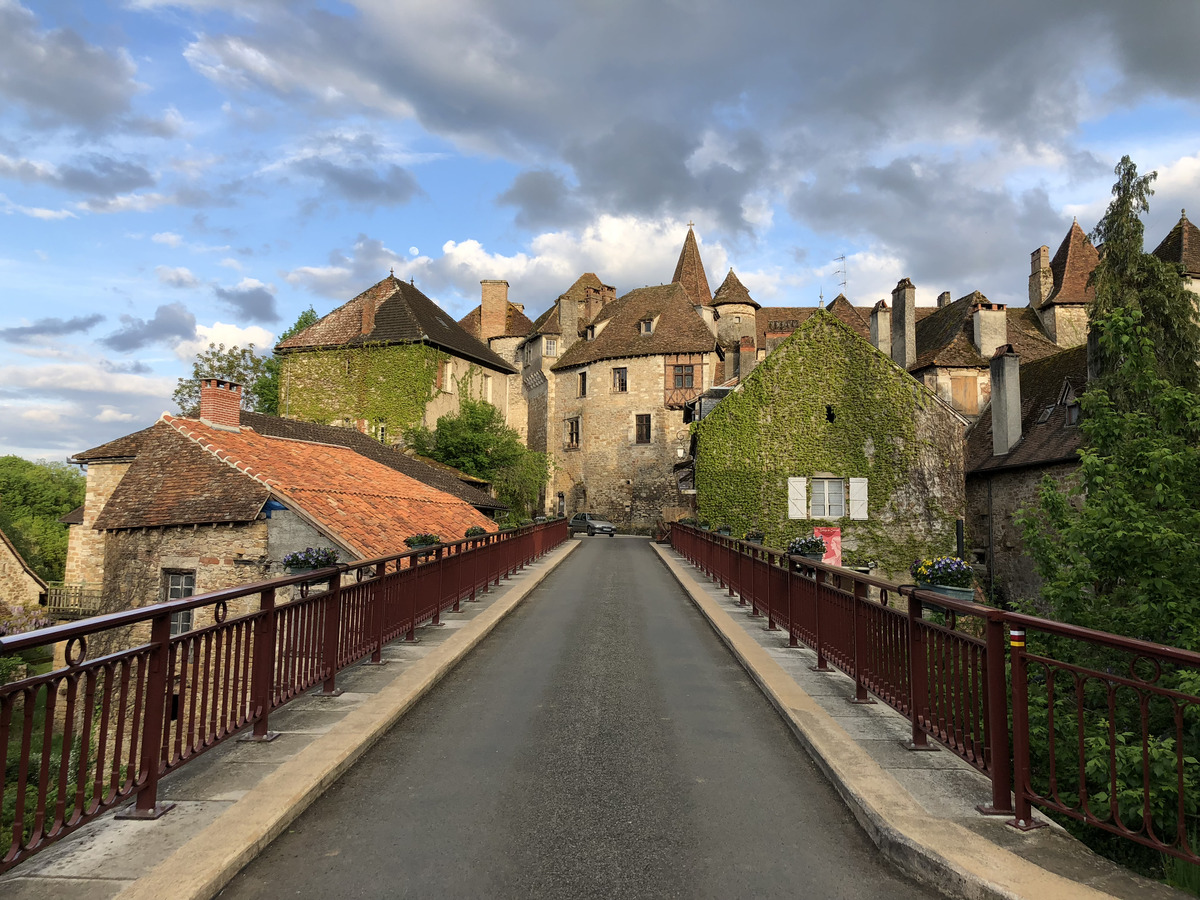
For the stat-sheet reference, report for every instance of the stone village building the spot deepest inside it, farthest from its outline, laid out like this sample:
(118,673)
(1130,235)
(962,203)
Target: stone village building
(193,505)
(20,585)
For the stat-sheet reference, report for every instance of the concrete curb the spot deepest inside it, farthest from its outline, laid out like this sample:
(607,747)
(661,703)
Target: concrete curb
(205,864)
(938,852)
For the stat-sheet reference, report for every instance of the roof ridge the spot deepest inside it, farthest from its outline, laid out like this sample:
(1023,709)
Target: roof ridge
(221,455)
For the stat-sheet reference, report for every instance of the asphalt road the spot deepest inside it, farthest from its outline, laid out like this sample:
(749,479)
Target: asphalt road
(600,743)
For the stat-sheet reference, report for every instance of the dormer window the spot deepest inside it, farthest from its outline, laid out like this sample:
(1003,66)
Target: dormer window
(589,333)
(1045,416)
(1073,413)
(646,326)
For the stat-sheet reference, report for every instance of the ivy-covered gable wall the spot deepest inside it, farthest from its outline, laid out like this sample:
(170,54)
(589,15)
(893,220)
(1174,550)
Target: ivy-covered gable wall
(826,403)
(388,383)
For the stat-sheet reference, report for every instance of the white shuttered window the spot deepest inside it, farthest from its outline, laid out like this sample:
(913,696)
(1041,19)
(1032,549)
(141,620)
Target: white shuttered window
(858,498)
(828,498)
(797,501)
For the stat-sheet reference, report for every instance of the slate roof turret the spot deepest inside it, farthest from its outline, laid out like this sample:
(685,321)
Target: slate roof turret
(733,291)
(689,272)
(395,312)
(1182,245)
(1072,267)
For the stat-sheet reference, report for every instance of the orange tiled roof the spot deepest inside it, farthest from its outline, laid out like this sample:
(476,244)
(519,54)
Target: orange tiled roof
(364,505)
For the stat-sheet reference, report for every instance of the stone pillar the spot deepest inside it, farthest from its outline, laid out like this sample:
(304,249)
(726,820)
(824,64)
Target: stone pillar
(904,323)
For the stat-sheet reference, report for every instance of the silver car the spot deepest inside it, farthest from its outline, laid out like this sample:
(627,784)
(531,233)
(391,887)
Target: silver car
(592,524)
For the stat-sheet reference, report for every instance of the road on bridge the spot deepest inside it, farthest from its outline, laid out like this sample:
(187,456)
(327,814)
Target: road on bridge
(601,742)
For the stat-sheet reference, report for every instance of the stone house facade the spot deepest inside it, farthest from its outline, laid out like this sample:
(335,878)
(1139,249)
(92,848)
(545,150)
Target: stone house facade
(19,584)
(1028,431)
(828,431)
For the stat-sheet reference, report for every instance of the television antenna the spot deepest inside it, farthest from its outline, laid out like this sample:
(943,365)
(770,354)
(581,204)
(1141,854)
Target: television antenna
(841,269)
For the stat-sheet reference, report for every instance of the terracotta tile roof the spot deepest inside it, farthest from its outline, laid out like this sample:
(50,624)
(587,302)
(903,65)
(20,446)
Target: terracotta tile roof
(402,315)
(367,446)
(21,561)
(678,328)
(945,335)
(122,448)
(1042,443)
(1182,245)
(1072,267)
(689,272)
(733,291)
(174,482)
(364,505)
(857,317)
(516,323)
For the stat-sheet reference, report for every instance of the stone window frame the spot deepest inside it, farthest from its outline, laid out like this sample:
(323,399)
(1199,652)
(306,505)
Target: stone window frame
(620,383)
(572,437)
(642,428)
(646,326)
(583,383)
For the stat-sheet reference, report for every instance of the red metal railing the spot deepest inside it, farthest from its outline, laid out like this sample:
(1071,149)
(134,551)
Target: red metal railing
(81,740)
(1104,729)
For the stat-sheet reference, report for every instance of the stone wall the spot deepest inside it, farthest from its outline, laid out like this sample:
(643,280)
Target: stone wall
(631,484)
(993,538)
(17,586)
(85,545)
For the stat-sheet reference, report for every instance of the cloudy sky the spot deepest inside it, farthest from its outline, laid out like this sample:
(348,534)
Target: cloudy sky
(174,173)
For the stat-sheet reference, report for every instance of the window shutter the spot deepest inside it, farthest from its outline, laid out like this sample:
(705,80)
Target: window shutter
(797,499)
(858,498)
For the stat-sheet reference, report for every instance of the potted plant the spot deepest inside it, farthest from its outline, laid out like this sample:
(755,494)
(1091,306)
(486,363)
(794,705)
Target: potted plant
(310,558)
(947,575)
(755,537)
(724,530)
(705,526)
(810,547)
(475,531)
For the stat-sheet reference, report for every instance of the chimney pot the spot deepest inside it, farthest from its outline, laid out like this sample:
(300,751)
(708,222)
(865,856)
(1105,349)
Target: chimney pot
(989,323)
(493,309)
(1005,372)
(904,323)
(943,299)
(221,403)
(881,328)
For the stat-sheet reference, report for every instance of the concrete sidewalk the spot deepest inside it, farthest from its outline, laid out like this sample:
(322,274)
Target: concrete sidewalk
(232,801)
(918,808)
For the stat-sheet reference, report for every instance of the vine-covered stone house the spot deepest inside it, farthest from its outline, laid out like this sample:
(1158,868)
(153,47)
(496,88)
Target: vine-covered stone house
(828,431)
(385,361)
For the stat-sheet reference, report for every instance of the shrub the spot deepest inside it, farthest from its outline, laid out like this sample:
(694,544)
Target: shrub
(422,540)
(311,558)
(475,531)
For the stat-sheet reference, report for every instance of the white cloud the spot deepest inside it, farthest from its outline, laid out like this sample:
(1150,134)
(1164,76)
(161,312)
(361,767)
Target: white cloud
(180,277)
(34,212)
(82,377)
(167,237)
(227,334)
(112,414)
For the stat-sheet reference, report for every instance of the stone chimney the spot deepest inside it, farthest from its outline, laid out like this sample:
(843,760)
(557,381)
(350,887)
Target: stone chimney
(944,299)
(747,357)
(493,309)
(989,329)
(881,328)
(221,403)
(1041,279)
(1006,399)
(904,323)
(368,314)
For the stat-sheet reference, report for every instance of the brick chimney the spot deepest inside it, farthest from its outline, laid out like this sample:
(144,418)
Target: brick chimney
(493,309)
(989,326)
(1041,279)
(881,328)
(221,403)
(1005,371)
(904,323)
(944,299)
(747,357)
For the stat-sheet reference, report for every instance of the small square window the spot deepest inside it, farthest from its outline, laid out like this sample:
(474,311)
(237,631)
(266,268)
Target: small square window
(620,380)
(828,498)
(643,429)
(646,326)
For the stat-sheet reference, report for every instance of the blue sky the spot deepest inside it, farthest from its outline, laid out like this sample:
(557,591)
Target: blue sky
(174,173)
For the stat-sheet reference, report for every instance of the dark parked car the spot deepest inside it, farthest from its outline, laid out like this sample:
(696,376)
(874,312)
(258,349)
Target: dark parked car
(592,524)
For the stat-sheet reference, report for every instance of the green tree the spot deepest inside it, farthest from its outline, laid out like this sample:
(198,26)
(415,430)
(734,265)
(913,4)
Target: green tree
(1128,278)
(240,364)
(266,388)
(477,441)
(33,496)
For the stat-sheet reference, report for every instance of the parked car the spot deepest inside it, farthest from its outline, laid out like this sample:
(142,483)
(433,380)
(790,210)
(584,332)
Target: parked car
(592,524)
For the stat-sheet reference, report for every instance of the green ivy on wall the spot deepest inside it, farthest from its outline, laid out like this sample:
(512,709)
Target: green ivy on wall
(390,383)
(826,402)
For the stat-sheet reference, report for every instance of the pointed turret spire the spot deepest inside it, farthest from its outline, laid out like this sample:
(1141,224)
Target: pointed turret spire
(1182,245)
(690,271)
